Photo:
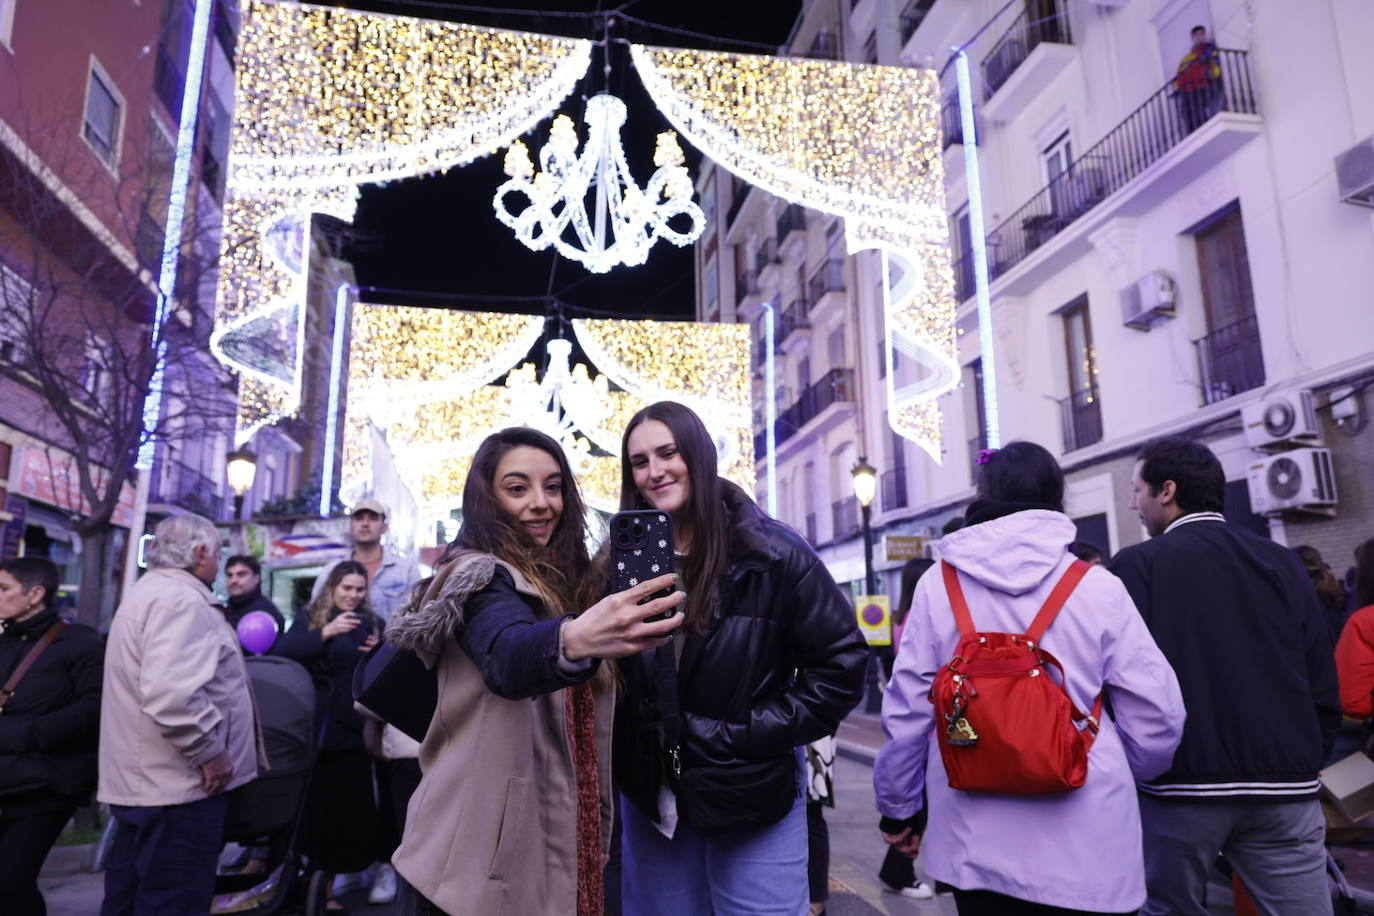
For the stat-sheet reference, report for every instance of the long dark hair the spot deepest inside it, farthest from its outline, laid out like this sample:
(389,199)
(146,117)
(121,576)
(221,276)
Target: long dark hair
(560,569)
(912,570)
(324,601)
(703,517)
(1329,589)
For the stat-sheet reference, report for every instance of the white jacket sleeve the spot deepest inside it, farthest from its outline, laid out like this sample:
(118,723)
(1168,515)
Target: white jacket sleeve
(899,772)
(179,660)
(1143,690)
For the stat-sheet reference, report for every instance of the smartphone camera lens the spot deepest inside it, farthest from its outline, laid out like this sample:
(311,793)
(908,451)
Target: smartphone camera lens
(622,523)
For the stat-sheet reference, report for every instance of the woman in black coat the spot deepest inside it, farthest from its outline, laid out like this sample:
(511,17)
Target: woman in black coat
(769,658)
(329,637)
(49,729)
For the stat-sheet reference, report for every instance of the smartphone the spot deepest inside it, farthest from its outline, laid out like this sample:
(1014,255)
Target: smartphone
(642,549)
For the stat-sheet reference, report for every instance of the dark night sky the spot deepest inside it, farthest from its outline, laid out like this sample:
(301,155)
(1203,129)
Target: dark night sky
(438,234)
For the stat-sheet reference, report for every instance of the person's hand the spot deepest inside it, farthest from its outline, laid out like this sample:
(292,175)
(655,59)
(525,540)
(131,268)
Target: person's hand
(908,842)
(368,643)
(216,773)
(344,623)
(615,626)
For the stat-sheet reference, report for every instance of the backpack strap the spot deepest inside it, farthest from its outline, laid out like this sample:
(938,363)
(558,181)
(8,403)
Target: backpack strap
(957,601)
(1055,602)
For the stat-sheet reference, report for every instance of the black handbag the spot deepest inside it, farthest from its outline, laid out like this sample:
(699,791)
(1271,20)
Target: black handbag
(396,687)
(715,800)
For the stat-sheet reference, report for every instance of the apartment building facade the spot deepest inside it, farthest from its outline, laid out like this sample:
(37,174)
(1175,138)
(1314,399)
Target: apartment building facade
(1161,263)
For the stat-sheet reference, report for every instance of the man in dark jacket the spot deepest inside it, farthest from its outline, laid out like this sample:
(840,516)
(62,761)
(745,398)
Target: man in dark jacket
(243,577)
(1237,619)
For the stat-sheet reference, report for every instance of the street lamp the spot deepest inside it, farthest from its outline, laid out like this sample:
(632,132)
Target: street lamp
(865,479)
(242,467)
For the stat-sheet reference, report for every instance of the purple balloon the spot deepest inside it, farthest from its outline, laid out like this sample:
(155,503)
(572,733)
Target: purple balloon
(257,632)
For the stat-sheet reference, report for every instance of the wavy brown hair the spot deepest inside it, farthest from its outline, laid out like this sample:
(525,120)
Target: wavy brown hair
(704,515)
(561,570)
(323,603)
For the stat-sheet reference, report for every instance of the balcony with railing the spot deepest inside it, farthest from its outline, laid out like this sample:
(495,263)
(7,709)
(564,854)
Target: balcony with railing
(793,219)
(893,487)
(1034,49)
(826,279)
(844,517)
(1080,415)
(175,483)
(821,401)
(168,82)
(793,321)
(1230,360)
(746,284)
(951,123)
(811,528)
(1161,146)
(963,278)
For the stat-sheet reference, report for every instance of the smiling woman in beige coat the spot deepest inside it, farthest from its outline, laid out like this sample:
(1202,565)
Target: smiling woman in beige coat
(512,815)
(176,727)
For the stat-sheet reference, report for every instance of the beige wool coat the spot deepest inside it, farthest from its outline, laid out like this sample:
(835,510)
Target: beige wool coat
(176,695)
(492,828)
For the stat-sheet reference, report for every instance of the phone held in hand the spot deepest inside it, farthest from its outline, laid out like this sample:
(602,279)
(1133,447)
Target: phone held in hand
(641,549)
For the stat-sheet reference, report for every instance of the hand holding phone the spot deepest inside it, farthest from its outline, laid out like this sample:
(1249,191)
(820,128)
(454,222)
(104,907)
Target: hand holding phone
(616,626)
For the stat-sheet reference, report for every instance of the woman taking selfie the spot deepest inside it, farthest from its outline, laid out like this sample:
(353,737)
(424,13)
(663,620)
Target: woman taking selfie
(49,728)
(707,734)
(329,637)
(512,814)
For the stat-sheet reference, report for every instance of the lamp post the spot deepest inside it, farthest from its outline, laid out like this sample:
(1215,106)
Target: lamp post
(241,469)
(865,479)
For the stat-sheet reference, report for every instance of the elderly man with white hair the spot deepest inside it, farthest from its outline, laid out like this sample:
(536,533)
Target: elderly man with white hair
(177,728)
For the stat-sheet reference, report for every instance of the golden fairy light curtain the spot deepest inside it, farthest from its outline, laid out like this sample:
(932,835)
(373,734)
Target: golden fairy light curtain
(328,99)
(859,141)
(435,383)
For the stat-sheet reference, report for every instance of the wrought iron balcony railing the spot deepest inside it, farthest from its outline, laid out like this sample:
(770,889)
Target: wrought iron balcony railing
(844,516)
(835,386)
(1081,418)
(811,528)
(746,284)
(951,123)
(793,318)
(1157,126)
(963,278)
(1230,360)
(792,219)
(893,484)
(767,253)
(1031,28)
(168,81)
(827,278)
(178,484)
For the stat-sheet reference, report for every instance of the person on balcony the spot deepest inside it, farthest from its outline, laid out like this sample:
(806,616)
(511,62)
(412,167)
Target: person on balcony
(1197,85)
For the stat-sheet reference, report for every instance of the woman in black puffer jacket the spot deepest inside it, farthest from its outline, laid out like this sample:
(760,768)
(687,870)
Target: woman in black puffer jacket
(49,730)
(769,658)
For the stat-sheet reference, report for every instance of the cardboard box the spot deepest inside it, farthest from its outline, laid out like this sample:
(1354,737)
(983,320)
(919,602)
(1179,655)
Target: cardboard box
(1349,786)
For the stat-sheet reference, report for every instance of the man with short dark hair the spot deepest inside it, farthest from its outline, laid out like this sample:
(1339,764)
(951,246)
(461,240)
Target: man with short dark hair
(390,576)
(1235,616)
(243,578)
(1198,81)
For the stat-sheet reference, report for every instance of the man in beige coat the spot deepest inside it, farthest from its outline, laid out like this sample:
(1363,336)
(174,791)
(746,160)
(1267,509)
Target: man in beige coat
(177,728)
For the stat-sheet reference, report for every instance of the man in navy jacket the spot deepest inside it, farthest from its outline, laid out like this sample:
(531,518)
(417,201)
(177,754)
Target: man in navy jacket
(1236,617)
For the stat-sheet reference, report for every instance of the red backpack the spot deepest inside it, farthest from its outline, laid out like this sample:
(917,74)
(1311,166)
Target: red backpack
(1003,723)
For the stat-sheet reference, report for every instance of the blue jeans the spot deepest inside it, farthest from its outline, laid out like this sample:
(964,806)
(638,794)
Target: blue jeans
(752,873)
(162,861)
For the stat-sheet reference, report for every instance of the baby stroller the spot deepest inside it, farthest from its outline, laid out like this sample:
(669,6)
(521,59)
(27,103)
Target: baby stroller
(265,814)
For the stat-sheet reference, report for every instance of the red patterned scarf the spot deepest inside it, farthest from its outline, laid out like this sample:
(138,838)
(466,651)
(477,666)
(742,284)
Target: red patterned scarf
(581,712)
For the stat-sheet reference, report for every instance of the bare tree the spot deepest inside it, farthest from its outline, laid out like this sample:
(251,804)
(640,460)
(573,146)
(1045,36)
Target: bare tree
(80,242)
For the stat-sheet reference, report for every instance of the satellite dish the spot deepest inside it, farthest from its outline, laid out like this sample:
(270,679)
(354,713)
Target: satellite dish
(1284,478)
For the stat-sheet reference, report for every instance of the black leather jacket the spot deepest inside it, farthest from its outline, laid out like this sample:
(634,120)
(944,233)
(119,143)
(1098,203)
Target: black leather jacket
(780,664)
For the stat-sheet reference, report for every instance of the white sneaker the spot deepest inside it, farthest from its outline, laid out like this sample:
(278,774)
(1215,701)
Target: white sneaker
(917,890)
(383,885)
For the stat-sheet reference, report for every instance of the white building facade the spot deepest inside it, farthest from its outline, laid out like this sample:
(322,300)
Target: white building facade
(1162,263)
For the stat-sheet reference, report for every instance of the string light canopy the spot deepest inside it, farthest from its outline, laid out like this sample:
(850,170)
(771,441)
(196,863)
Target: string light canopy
(633,217)
(435,382)
(328,99)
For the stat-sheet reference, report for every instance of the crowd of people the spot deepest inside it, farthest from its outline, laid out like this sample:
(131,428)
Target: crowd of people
(668,749)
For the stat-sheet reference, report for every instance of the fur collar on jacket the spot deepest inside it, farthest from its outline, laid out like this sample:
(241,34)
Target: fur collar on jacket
(426,622)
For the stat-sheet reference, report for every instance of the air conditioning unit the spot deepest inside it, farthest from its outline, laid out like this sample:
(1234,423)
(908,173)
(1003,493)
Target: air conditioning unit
(1355,174)
(1299,480)
(1147,301)
(1281,420)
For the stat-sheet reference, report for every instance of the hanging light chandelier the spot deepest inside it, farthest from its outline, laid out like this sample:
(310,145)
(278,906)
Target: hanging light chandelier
(625,220)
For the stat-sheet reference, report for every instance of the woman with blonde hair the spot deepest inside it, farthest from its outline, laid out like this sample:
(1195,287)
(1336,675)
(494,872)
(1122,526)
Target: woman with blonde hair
(329,637)
(512,814)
